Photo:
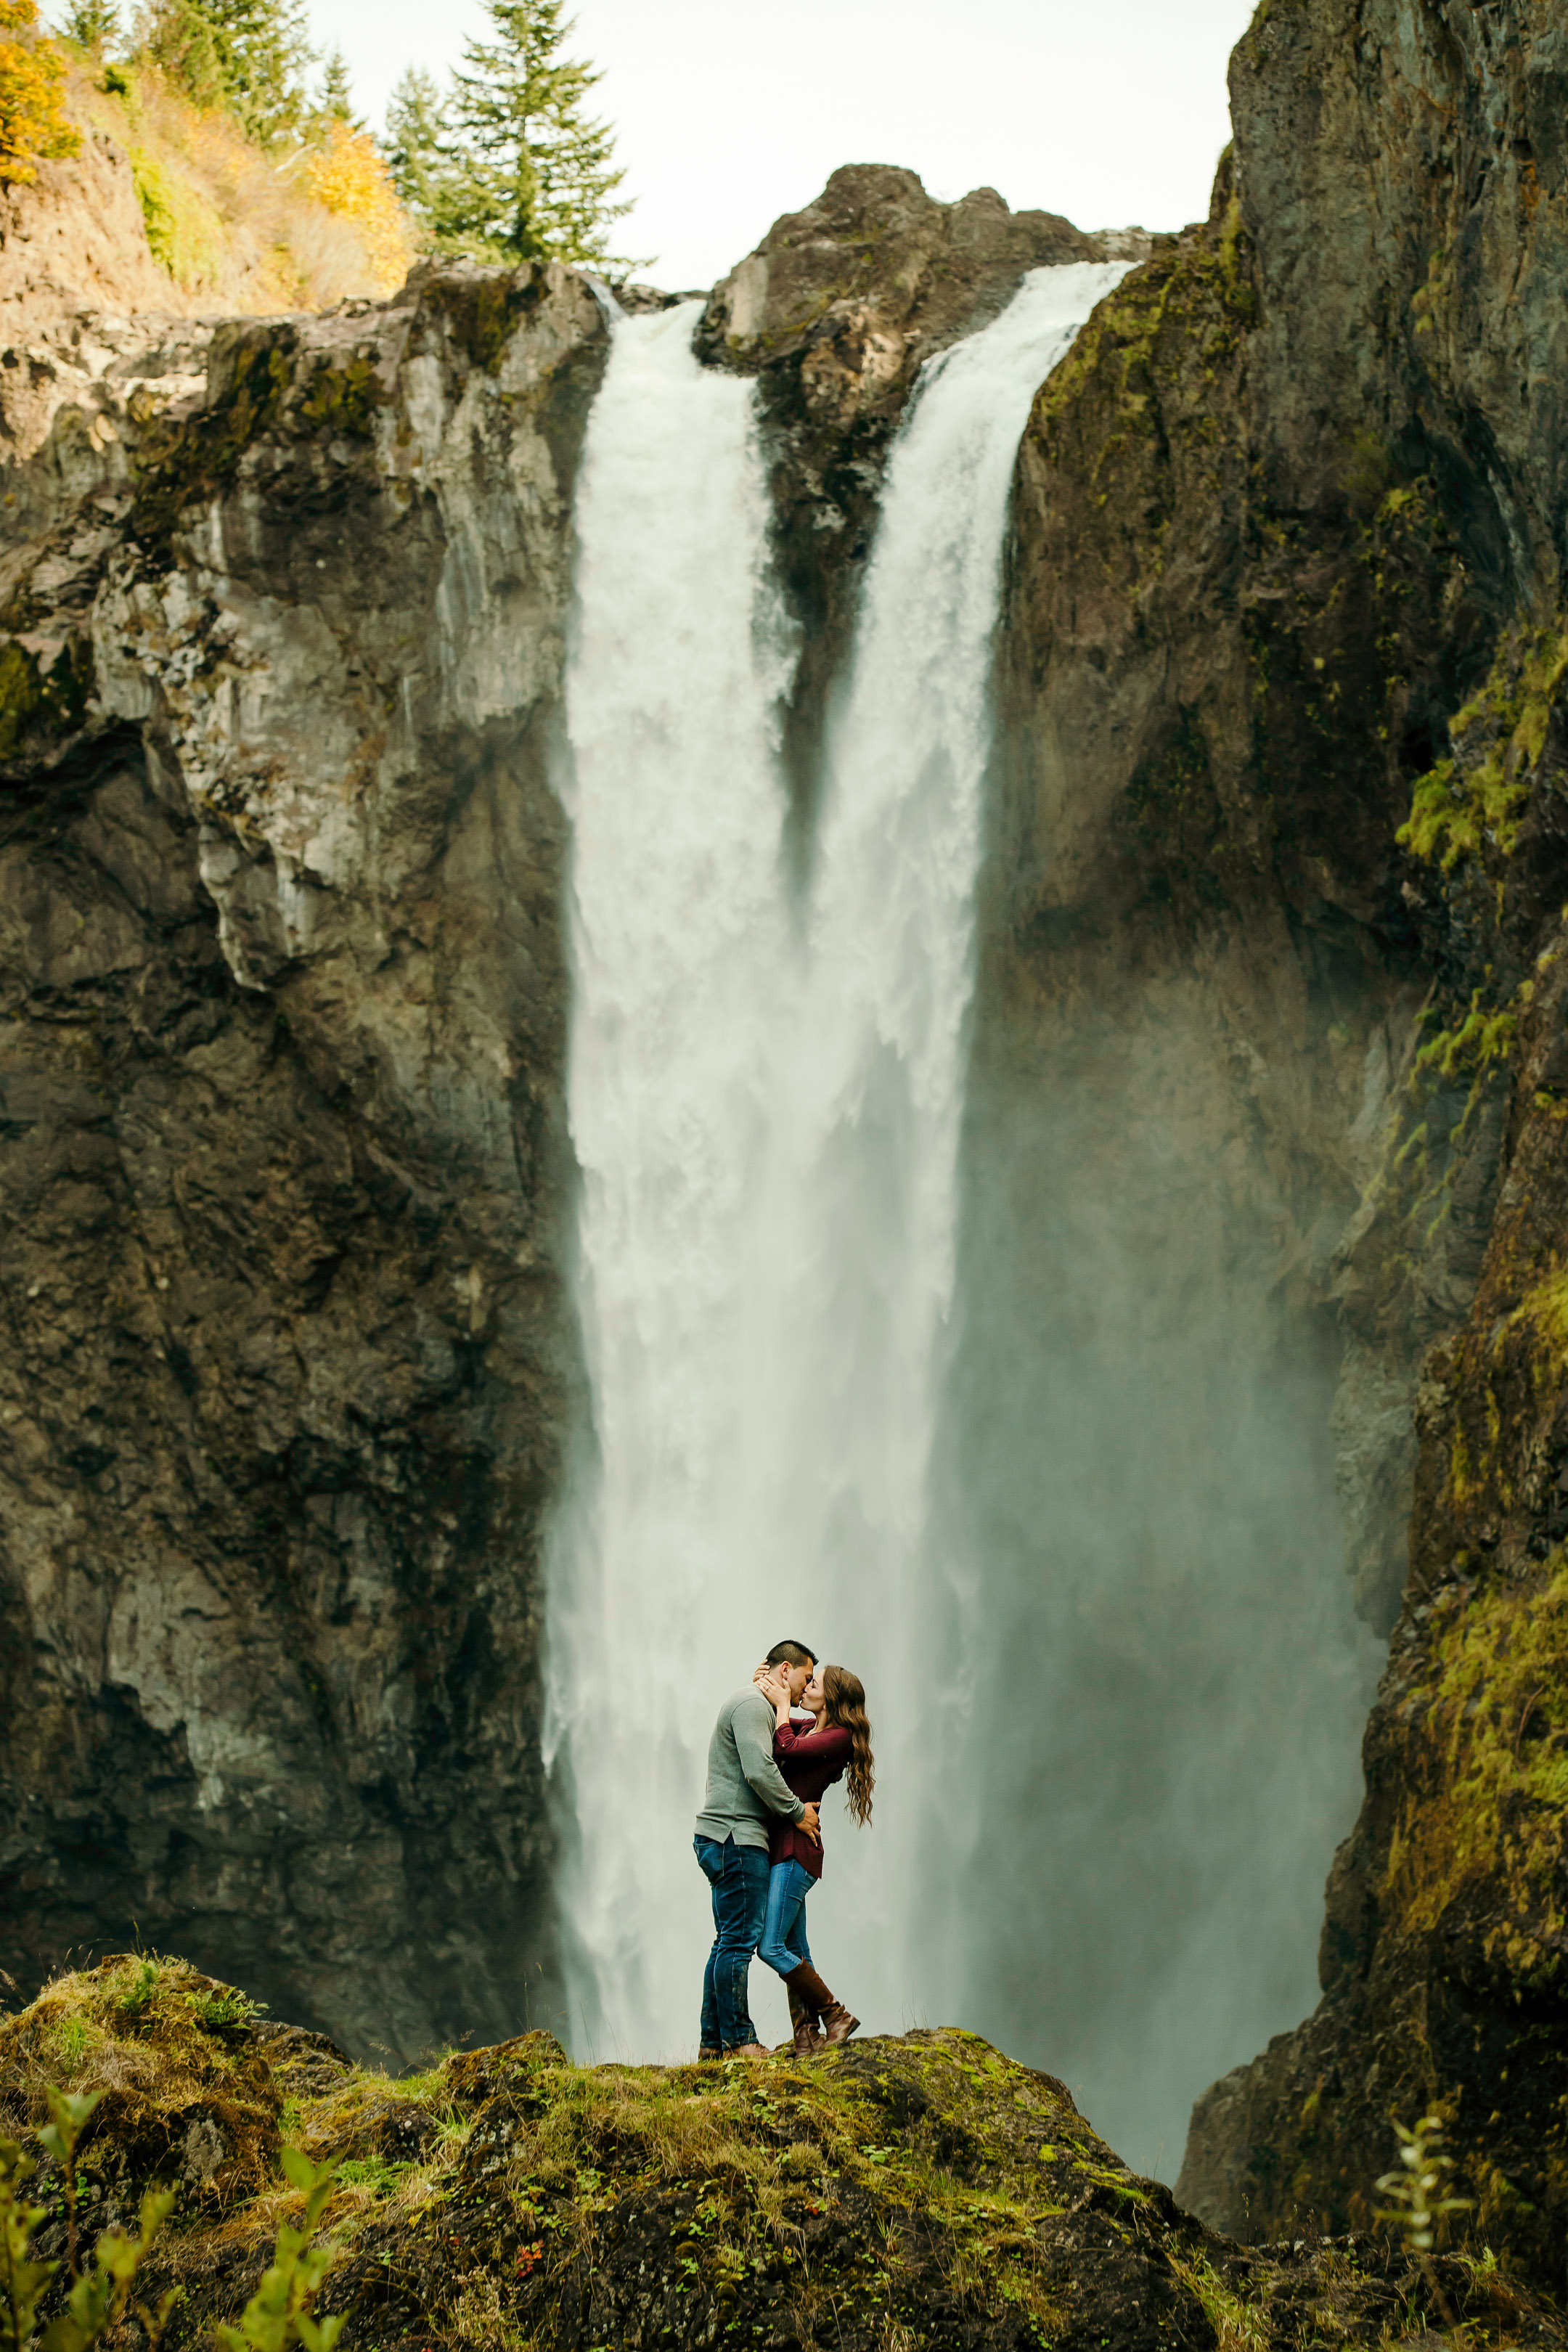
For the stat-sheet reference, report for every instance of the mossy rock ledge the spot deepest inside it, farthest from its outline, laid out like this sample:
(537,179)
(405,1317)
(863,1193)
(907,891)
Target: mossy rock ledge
(909,2191)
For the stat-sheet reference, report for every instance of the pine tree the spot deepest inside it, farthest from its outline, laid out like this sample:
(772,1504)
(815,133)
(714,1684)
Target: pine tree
(541,177)
(179,37)
(434,176)
(265,52)
(93,25)
(337,103)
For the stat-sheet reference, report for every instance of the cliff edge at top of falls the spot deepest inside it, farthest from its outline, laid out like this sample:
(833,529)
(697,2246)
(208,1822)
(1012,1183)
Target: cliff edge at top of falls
(919,2190)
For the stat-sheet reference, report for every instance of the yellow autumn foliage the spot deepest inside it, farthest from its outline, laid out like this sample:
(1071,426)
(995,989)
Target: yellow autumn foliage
(33,120)
(347,175)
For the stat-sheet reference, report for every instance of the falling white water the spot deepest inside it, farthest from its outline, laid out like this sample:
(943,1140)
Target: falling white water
(765,1101)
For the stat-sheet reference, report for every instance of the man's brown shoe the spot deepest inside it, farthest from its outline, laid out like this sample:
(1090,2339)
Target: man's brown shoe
(705,2054)
(806,2034)
(838,2024)
(750,2050)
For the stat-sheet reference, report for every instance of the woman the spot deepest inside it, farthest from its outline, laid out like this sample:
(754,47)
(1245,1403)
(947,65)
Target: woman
(836,1746)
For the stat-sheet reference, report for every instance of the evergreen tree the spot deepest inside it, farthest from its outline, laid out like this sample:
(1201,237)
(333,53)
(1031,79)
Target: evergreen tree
(179,37)
(434,176)
(265,53)
(93,23)
(337,103)
(540,176)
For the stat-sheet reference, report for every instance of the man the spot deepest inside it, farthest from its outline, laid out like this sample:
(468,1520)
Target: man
(745,1789)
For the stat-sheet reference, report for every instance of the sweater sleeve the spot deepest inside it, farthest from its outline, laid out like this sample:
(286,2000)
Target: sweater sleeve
(830,1746)
(752,1727)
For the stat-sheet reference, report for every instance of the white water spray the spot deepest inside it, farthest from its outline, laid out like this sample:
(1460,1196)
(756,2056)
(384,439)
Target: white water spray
(765,1103)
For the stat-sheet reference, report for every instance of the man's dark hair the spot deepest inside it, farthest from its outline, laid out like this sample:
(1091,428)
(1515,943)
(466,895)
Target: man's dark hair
(791,1654)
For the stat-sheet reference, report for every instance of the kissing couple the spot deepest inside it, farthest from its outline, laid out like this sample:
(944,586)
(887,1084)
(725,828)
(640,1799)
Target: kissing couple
(759,1840)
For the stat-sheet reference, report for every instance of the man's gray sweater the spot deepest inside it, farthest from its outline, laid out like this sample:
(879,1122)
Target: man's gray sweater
(745,1787)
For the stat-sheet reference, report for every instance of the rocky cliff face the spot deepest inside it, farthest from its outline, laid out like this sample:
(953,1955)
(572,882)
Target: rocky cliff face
(1303,672)
(287,1366)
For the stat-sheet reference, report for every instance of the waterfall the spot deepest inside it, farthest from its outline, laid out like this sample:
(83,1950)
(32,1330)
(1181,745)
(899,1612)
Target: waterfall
(765,1095)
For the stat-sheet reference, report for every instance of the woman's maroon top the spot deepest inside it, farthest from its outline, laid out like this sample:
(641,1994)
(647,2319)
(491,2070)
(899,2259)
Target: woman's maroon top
(810,1762)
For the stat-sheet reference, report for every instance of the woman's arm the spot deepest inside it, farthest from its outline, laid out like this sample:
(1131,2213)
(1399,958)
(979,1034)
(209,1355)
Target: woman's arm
(830,1746)
(774,1688)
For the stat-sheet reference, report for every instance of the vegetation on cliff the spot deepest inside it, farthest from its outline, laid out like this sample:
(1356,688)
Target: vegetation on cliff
(922,2191)
(34,124)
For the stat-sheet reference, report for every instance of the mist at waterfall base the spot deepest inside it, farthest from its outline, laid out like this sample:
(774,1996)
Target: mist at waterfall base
(1167,1683)
(1068,1657)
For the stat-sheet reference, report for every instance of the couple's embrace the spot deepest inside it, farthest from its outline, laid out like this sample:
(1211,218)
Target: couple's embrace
(759,1840)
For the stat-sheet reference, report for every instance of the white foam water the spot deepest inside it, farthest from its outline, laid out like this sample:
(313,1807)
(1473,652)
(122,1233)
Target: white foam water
(765,1097)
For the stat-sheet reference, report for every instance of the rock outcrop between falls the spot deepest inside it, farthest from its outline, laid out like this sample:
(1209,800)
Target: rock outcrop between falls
(918,2189)
(835,313)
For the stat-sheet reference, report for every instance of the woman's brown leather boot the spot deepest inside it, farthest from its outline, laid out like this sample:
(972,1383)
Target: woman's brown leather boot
(817,2001)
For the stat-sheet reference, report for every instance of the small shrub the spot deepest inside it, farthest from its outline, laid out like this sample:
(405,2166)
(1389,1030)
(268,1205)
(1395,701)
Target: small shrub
(348,174)
(280,2312)
(184,233)
(143,1984)
(100,2296)
(222,2011)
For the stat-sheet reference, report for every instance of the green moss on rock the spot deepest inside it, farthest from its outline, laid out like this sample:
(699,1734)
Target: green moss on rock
(1490,1808)
(1199,289)
(188,460)
(39,706)
(485,309)
(344,400)
(1472,803)
(907,2192)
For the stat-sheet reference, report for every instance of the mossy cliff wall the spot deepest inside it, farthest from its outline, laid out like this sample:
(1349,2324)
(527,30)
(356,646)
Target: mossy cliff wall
(1284,788)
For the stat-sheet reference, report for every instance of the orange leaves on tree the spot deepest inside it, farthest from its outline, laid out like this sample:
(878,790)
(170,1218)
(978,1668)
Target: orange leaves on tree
(347,175)
(33,119)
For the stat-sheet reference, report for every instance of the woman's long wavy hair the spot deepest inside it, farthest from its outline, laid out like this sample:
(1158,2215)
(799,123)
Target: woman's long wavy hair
(846,1697)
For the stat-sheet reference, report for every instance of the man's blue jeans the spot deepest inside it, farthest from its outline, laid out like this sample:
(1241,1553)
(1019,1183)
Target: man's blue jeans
(738,1875)
(783,1946)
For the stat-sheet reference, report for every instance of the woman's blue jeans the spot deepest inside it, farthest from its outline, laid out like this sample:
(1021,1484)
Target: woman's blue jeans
(783,1946)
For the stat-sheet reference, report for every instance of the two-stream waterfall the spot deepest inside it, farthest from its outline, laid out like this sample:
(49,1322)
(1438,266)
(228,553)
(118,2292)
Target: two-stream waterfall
(765,1091)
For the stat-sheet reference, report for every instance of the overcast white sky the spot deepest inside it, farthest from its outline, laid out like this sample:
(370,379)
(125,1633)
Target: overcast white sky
(730,112)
